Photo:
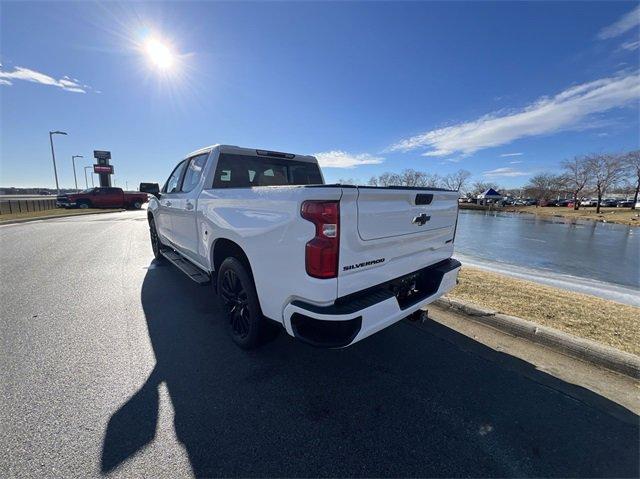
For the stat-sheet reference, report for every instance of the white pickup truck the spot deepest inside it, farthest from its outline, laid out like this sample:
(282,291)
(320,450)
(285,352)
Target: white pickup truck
(333,264)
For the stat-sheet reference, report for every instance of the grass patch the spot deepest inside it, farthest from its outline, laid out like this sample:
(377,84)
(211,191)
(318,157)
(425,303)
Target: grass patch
(50,213)
(607,322)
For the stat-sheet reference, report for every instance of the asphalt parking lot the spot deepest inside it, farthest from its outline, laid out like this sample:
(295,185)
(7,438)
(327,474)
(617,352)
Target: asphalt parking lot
(116,365)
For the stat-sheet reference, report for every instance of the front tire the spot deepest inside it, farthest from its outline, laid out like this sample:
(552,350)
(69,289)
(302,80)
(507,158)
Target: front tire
(238,296)
(137,205)
(83,204)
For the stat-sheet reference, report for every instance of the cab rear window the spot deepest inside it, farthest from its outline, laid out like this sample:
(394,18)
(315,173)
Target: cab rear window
(245,171)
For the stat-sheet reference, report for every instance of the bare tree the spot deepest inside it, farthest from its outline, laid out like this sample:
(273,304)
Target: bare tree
(545,186)
(456,181)
(577,176)
(606,171)
(411,177)
(347,181)
(386,179)
(632,163)
(408,177)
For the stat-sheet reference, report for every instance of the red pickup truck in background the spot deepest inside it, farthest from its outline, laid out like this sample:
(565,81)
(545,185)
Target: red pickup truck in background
(103,197)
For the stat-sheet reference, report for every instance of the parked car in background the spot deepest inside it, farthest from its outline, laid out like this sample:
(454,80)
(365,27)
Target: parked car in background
(625,204)
(102,197)
(588,202)
(609,203)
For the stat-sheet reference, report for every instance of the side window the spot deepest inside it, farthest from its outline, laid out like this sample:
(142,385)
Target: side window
(171,186)
(194,172)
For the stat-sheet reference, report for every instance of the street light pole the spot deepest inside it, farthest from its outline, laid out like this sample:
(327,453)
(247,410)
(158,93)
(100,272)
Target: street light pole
(86,182)
(53,155)
(73,161)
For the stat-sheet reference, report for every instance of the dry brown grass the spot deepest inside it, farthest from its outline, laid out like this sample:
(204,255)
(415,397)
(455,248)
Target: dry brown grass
(625,216)
(607,322)
(49,213)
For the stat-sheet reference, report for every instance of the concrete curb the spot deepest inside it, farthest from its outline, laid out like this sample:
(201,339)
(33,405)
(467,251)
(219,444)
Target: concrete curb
(584,349)
(51,217)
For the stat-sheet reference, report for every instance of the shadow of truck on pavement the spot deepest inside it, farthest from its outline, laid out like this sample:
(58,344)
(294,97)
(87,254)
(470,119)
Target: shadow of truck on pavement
(401,403)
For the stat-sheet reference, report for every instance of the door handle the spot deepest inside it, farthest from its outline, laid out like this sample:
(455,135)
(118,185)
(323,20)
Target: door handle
(189,206)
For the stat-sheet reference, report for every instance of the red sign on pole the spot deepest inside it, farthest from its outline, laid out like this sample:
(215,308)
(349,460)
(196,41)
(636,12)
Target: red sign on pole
(108,169)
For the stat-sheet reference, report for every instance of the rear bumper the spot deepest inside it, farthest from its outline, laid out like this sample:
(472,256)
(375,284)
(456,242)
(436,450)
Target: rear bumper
(358,315)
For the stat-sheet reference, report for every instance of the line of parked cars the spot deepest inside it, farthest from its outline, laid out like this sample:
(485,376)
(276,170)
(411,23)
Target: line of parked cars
(607,203)
(567,203)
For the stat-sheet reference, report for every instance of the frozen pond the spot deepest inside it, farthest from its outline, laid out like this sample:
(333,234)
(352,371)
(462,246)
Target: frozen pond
(595,258)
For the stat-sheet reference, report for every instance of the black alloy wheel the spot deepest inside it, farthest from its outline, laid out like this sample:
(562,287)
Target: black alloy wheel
(236,300)
(237,292)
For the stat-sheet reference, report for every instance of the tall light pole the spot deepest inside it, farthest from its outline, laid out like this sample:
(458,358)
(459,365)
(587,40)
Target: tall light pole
(85,176)
(73,161)
(53,155)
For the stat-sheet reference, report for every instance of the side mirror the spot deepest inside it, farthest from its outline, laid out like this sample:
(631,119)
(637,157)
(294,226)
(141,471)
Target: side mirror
(151,188)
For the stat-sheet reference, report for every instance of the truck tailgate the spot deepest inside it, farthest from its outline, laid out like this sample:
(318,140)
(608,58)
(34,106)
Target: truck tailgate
(390,232)
(387,213)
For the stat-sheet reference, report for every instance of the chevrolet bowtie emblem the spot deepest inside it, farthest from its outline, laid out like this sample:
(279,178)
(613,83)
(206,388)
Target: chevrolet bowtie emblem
(420,220)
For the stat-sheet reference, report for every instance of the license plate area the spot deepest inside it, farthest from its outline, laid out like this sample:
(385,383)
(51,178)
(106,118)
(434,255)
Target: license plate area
(415,287)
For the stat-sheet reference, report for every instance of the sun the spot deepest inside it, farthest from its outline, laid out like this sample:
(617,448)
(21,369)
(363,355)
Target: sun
(159,54)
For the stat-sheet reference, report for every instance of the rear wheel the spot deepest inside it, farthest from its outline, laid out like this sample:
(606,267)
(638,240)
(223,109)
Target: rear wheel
(83,204)
(136,205)
(155,240)
(240,302)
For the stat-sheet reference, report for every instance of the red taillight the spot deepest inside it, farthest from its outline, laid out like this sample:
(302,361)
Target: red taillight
(321,253)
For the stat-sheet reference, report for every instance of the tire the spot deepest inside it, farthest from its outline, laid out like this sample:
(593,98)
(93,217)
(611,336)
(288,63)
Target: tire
(136,205)
(237,292)
(155,240)
(83,204)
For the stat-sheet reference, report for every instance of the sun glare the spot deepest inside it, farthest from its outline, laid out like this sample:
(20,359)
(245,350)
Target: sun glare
(159,54)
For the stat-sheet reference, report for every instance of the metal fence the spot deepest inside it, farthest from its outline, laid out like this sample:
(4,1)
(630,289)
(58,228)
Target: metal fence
(13,206)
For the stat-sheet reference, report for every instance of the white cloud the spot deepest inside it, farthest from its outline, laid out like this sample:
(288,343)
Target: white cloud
(342,159)
(504,155)
(633,45)
(515,162)
(624,24)
(26,74)
(504,172)
(567,110)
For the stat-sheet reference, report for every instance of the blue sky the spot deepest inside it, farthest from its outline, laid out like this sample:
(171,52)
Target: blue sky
(504,90)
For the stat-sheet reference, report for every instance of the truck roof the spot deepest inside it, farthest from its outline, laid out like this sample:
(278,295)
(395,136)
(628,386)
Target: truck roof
(253,152)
